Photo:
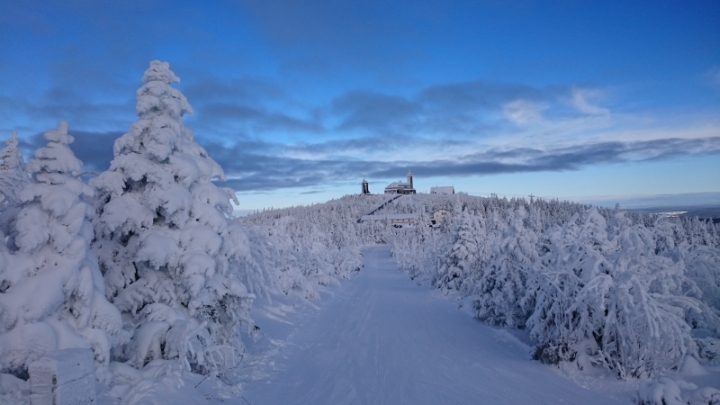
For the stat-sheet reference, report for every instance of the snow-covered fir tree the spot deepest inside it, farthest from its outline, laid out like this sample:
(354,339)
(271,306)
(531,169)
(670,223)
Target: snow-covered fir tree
(13,177)
(52,294)
(464,254)
(502,281)
(165,240)
(12,166)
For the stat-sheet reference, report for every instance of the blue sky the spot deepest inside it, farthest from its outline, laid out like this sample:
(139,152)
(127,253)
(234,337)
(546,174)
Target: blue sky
(300,100)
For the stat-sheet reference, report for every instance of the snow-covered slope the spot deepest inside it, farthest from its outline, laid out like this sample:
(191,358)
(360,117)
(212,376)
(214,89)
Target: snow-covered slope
(381,339)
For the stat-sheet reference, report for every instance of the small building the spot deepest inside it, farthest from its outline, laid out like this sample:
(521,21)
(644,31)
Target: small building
(396,220)
(400,187)
(440,216)
(447,190)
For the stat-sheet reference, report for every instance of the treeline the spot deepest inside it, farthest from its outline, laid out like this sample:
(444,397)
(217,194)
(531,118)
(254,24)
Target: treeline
(634,293)
(144,264)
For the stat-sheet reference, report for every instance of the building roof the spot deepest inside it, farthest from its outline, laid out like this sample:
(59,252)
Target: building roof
(442,190)
(398,184)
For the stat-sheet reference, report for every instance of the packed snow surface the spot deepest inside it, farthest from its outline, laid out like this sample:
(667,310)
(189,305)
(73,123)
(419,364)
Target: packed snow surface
(381,339)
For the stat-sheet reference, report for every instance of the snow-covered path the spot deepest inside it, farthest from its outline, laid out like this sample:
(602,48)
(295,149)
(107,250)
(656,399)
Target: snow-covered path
(383,340)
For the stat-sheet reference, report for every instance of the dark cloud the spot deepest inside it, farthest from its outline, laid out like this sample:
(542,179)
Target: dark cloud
(376,111)
(662,149)
(371,144)
(245,90)
(457,109)
(475,95)
(250,171)
(254,120)
(252,164)
(347,146)
(94,149)
(234,112)
(84,114)
(271,173)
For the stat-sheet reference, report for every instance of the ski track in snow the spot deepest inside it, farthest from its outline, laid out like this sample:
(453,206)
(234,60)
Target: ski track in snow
(381,339)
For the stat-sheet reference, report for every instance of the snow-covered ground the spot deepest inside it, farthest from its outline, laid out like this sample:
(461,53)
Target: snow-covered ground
(381,339)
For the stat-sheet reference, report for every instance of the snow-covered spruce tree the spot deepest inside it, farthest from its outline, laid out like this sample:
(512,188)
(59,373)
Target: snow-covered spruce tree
(464,255)
(501,284)
(52,294)
(13,177)
(165,241)
(13,173)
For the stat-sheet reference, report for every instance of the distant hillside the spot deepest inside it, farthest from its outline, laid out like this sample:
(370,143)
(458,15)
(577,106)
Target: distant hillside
(707,213)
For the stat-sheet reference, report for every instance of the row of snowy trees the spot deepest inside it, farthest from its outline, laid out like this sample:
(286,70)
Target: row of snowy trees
(631,292)
(634,293)
(144,263)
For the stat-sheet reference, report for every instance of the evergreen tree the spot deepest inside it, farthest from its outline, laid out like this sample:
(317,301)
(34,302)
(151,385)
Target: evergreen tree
(13,177)
(463,257)
(53,294)
(165,240)
(501,286)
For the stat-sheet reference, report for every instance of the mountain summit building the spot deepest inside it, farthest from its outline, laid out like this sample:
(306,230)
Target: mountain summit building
(399,187)
(365,187)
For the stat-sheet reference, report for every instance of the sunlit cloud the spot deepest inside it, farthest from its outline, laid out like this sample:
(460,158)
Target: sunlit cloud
(523,112)
(580,99)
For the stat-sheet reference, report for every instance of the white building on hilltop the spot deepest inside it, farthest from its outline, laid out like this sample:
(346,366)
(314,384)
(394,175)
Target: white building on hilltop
(399,187)
(440,216)
(442,190)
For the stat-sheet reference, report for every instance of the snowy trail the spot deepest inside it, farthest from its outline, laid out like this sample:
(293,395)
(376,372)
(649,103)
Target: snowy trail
(383,340)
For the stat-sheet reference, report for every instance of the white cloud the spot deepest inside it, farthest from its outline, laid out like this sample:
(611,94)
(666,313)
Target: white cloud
(523,111)
(580,100)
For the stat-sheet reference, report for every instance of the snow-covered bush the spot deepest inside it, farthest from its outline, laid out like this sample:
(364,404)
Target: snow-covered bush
(592,286)
(308,246)
(52,294)
(502,282)
(165,240)
(663,391)
(666,391)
